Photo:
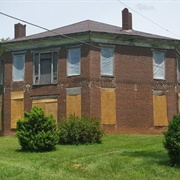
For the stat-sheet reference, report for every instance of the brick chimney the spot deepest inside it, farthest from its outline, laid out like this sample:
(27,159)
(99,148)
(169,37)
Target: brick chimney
(126,19)
(19,30)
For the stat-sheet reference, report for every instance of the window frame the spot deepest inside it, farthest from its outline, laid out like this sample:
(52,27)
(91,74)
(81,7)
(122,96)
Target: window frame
(13,70)
(178,68)
(37,76)
(67,64)
(111,74)
(155,77)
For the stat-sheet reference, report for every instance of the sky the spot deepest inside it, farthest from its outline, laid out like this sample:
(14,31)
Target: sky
(158,17)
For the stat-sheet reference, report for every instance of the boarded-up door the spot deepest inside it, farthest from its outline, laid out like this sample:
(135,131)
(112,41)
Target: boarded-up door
(160,109)
(17,107)
(49,106)
(73,101)
(108,106)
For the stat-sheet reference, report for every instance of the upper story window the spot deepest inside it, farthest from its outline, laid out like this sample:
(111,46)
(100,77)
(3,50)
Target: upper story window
(18,67)
(73,62)
(45,68)
(107,61)
(178,69)
(159,65)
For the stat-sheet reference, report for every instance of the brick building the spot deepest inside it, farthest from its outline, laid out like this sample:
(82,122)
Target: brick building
(129,79)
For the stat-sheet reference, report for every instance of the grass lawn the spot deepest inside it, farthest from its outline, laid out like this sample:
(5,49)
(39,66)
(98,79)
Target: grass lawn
(119,157)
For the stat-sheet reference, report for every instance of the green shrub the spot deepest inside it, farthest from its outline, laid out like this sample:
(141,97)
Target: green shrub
(80,130)
(172,140)
(37,132)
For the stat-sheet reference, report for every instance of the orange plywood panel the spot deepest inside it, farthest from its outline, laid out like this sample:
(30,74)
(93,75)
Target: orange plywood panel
(49,106)
(17,95)
(73,105)
(52,108)
(160,110)
(0,112)
(108,106)
(17,111)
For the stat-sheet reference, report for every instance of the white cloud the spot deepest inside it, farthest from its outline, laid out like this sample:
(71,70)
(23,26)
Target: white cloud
(145,7)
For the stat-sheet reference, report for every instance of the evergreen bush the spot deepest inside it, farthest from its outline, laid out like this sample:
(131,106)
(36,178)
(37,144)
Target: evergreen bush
(172,140)
(37,132)
(80,130)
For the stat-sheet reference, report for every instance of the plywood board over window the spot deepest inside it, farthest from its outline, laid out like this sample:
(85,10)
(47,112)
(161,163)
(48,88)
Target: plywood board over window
(1,112)
(160,108)
(73,101)
(49,106)
(108,106)
(17,107)
(179,102)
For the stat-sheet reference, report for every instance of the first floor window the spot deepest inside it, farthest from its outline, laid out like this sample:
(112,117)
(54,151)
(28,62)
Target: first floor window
(18,67)
(158,65)
(45,68)
(107,63)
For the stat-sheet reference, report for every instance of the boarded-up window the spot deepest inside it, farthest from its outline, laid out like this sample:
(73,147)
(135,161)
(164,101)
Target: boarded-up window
(50,106)
(107,64)
(158,65)
(73,63)
(178,102)
(160,109)
(73,101)
(108,106)
(17,107)
(1,72)
(1,112)
(45,68)
(18,67)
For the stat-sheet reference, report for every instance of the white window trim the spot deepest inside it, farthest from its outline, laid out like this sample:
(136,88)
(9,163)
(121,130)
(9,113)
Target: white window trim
(178,68)
(107,46)
(164,68)
(39,66)
(14,54)
(73,47)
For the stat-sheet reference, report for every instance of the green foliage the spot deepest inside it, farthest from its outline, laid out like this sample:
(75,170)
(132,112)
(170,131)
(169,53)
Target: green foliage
(172,140)
(37,132)
(5,39)
(80,130)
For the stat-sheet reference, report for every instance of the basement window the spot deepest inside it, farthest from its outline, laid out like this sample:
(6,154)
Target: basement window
(73,62)
(159,65)
(107,62)
(18,67)
(45,68)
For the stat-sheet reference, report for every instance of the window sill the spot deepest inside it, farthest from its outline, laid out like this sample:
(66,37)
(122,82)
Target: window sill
(38,85)
(159,79)
(107,76)
(73,76)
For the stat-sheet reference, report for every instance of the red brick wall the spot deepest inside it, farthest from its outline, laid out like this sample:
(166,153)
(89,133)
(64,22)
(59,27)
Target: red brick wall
(133,81)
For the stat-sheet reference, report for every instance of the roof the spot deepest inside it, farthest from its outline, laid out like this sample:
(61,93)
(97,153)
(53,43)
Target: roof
(93,26)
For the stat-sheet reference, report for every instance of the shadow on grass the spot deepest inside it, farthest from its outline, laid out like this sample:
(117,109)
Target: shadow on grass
(158,157)
(26,151)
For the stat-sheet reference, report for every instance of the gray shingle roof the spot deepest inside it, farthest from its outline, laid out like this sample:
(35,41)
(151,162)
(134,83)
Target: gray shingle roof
(93,26)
